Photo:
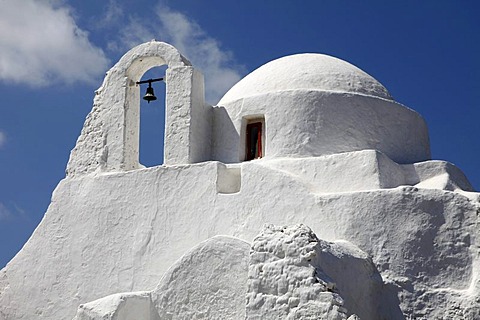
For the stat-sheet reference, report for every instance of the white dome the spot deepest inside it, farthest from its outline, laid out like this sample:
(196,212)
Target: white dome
(311,71)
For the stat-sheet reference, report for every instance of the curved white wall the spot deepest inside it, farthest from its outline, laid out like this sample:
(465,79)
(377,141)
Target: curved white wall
(304,123)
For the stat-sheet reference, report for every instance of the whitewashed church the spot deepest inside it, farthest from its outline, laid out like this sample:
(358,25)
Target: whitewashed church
(306,193)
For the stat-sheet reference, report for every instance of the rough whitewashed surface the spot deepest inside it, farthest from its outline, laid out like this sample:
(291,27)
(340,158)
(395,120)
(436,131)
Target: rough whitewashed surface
(352,165)
(283,282)
(280,277)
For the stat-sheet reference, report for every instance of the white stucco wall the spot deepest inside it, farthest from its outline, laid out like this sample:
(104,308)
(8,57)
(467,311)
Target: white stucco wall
(120,306)
(119,232)
(303,123)
(286,273)
(188,118)
(313,105)
(208,282)
(367,170)
(283,280)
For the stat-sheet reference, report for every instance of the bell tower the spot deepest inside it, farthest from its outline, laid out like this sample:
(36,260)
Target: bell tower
(110,137)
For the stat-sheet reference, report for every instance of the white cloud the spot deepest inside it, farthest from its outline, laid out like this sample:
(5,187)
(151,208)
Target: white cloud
(3,139)
(111,16)
(5,214)
(113,13)
(17,213)
(131,34)
(41,44)
(218,65)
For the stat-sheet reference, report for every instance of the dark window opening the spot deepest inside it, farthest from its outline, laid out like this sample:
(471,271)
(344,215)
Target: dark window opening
(253,141)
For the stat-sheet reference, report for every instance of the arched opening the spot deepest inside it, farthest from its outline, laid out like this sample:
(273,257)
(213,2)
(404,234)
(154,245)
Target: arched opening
(152,120)
(111,139)
(184,139)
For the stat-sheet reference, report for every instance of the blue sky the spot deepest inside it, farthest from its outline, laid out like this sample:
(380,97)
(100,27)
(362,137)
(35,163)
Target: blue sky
(54,54)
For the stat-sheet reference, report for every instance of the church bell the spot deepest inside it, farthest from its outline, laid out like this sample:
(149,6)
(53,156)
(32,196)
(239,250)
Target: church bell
(149,95)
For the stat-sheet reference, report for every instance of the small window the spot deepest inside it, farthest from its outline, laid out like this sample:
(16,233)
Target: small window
(253,141)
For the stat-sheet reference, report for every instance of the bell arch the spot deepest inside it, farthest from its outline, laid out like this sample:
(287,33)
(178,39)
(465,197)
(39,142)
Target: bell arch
(152,119)
(110,137)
